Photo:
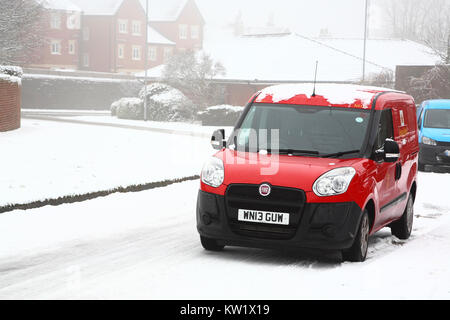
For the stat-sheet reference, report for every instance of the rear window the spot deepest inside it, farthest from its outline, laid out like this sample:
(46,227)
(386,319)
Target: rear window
(437,118)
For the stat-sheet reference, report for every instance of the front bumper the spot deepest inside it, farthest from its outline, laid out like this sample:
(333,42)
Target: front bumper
(434,155)
(326,226)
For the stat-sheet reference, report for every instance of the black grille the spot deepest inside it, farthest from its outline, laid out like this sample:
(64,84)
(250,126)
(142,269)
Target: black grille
(443,144)
(286,200)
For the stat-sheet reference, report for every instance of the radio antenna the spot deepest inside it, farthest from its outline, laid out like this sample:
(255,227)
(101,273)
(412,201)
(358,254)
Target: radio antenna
(315,80)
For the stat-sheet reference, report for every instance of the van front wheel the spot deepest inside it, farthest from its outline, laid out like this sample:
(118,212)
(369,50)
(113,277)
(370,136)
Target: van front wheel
(358,251)
(402,228)
(210,244)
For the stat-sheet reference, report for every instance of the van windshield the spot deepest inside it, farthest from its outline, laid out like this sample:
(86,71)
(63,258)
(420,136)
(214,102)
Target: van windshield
(437,118)
(303,130)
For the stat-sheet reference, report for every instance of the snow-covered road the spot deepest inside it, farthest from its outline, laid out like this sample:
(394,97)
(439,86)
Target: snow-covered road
(145,245)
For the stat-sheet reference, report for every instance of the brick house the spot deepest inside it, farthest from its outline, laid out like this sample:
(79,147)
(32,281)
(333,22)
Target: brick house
(61,26)
(110,35)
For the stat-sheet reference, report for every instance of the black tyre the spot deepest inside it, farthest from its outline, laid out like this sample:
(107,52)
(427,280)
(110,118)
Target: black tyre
(211,244)
(402,228)
(358,251)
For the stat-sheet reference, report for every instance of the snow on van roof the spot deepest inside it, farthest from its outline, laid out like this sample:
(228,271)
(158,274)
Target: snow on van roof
(64,5)
(326,94)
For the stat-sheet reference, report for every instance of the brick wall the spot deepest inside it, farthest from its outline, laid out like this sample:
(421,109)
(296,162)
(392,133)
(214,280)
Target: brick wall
(9,105)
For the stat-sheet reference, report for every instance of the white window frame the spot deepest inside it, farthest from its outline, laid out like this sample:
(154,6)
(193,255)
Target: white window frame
(183,31)
(134,50)
(55,20)
(121,51)
(73,21)
(86,60)
(195,32)
(123,26)
(55,47)
(72,47)
(152,53)
(86,33)
(136,28)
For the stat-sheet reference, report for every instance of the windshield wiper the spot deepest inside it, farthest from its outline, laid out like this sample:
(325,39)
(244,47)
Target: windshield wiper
(340,154)
(293,152)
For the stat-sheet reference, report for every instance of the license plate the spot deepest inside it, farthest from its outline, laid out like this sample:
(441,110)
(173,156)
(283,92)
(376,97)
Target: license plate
(447,153)
(257,216)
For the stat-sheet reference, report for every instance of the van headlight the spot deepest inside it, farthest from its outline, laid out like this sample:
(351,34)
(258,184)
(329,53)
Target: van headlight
(429,141)
(334,182)
(213,172)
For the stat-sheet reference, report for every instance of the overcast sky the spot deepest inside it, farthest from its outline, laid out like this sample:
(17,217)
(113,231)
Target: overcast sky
(341,17)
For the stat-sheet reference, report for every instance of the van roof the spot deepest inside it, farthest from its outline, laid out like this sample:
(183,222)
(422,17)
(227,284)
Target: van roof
(333,95)
(437,104)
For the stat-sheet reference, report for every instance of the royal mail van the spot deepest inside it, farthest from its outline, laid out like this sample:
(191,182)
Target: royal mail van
(318,167)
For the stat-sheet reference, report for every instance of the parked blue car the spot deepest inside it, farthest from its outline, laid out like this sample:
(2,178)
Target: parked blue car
(434,134)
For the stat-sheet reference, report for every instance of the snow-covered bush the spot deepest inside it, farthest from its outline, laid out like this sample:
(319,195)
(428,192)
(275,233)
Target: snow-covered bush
(165,103)
(128,108)
(223,115)
(11,71)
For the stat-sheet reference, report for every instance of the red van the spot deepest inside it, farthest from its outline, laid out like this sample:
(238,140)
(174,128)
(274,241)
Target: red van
(308,167)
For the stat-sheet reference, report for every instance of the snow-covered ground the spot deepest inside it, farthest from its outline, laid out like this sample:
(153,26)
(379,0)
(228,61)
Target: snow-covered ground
(48,159)
(145,245)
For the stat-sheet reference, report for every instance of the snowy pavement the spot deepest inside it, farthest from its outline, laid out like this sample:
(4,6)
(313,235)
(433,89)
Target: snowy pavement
(49,159)
(145,246)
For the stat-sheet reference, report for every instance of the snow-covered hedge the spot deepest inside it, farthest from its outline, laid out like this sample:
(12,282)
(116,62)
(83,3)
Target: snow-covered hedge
(165,103)
(223,115)
(128,108)
(11,73)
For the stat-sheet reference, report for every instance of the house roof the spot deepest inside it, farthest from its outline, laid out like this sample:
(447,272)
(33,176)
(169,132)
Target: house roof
(292,58)
(159,10)
(165,10)
(63,5)
(98,7)
(155,37)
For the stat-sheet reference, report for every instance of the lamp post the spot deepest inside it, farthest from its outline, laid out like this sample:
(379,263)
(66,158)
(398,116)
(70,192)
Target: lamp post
(146,61)
(365,40)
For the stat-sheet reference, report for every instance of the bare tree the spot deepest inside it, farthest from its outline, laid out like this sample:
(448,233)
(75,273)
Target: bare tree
(19,30)
(426,21)
(193,74)
(433,84)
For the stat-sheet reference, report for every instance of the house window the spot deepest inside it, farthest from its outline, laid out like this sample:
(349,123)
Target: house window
(183,31)
(72,47)
(86,59)
(73,21)
(86,33)
(152,54)
(123,26)
(121,51)
(195,32)
(136,53)
(55,20)
(167,53)
(136,28)
(56,47)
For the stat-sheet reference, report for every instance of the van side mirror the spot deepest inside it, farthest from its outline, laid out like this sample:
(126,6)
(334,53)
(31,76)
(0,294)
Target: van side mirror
(391,151)
(218,139)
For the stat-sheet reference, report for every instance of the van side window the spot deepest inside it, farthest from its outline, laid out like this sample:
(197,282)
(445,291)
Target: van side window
(385,128)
